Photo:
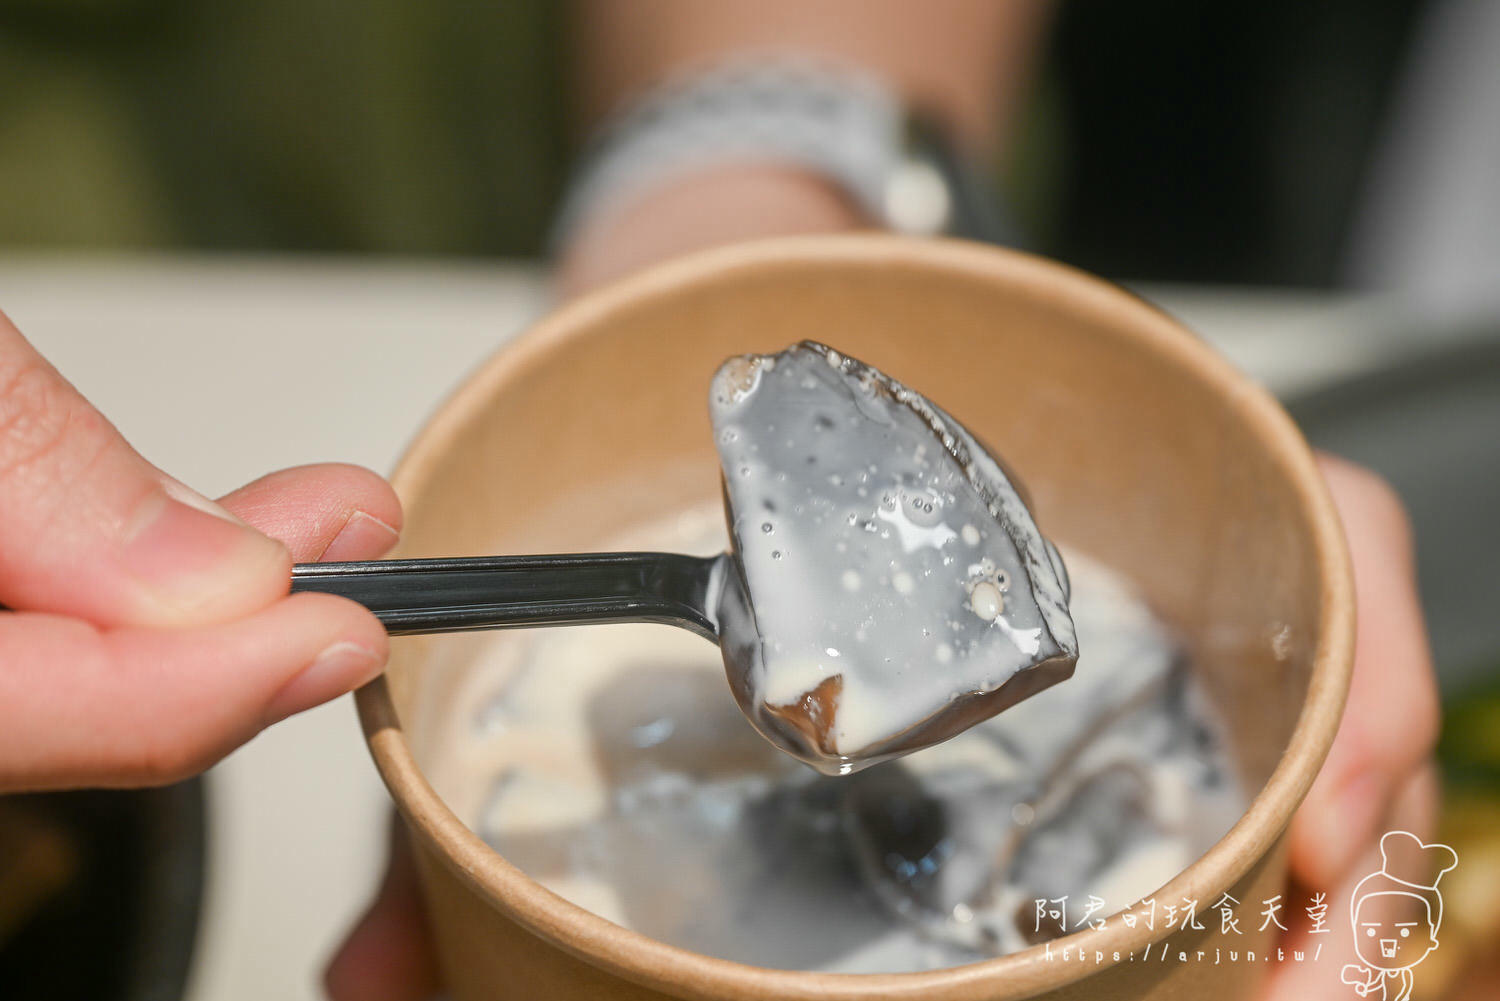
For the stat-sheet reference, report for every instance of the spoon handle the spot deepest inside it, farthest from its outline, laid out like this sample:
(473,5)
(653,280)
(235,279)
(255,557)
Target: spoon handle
(508,592)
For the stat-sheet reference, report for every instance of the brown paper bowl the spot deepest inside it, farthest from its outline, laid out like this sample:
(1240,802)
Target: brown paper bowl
(1140,445)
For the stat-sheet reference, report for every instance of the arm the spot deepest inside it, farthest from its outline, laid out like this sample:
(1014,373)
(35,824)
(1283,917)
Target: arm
(961,62)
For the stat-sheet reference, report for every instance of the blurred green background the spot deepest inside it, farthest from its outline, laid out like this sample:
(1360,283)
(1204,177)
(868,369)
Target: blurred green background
(1163,139)
(380,126)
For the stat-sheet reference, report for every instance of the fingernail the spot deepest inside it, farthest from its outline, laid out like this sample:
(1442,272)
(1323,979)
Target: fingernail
(195,557)
(363,537)
(185,494)
(342,667)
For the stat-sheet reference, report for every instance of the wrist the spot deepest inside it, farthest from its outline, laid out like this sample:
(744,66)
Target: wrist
(709,207)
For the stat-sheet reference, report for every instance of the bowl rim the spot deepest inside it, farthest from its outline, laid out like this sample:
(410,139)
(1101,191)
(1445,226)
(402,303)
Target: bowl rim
(657,965)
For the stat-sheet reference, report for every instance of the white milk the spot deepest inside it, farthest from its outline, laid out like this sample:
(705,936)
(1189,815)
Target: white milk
(612,764)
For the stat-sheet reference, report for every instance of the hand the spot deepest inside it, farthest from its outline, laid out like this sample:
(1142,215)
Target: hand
(389,956)
(1380,774)
(154,633)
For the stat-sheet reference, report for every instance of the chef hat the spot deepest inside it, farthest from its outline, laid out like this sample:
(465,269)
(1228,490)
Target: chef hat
(1408,866)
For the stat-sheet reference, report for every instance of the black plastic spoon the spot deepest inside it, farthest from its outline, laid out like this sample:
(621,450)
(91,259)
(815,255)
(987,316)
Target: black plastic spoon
(509,592)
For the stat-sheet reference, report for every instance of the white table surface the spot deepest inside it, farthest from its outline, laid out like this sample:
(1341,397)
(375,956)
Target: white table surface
(220,369)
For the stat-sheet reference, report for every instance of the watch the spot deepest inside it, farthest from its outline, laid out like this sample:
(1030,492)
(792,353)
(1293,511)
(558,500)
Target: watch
(837,122)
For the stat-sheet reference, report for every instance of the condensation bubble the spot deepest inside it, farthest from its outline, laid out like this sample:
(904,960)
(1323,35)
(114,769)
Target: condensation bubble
(986,601)
(921,508)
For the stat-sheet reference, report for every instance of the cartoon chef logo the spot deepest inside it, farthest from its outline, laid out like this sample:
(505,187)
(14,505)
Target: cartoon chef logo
(1396,914)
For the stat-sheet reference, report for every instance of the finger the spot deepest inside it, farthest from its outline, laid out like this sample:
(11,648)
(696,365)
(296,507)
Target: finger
(325,512)
(1414,808)
(1390,723)
(389,955)
(127,707)
(1318,973)
(89,528)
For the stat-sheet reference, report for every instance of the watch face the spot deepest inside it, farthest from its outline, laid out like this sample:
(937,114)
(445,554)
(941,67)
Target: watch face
(918,201)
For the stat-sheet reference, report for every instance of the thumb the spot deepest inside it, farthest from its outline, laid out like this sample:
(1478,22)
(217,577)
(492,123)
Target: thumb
(89,528)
